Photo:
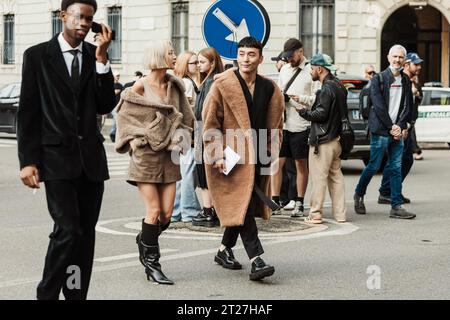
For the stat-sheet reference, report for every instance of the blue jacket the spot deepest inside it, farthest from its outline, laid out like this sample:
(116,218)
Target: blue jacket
(380,122)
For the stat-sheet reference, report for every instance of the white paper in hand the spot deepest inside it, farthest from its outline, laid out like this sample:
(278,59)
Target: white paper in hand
(231,159)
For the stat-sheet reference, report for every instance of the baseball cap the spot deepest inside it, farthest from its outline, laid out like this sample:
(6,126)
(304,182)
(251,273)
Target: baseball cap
(323,60)
(290,46)
(281,56)
(413,57)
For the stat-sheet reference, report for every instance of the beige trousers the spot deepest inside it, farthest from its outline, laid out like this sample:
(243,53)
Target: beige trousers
(325,170)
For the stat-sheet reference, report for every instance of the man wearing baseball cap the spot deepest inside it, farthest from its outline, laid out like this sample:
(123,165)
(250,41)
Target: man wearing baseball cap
(280,60)
(411,67)
(299,90)
(325,148)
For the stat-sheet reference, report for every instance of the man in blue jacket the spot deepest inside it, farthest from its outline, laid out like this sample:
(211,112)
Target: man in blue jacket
(391,111)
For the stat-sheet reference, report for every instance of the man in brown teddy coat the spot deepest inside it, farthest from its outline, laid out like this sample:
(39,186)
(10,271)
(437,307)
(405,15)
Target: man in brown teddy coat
(243,109)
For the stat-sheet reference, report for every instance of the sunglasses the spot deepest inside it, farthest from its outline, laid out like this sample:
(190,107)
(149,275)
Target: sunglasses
(195,62)
(371,73)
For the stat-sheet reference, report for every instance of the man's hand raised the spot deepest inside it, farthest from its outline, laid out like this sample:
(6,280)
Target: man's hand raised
(103,39)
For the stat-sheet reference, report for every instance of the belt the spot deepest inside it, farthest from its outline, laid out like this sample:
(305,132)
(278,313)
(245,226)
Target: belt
(265,199)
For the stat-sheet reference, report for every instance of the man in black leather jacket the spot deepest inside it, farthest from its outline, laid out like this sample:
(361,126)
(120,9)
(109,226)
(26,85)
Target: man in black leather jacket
(325,151)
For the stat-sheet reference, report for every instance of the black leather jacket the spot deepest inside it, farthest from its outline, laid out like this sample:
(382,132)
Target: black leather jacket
(325,115)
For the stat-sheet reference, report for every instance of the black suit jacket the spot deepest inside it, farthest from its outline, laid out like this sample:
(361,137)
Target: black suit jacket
(56,124)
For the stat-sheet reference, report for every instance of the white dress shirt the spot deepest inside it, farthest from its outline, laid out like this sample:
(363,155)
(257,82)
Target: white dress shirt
(68,57)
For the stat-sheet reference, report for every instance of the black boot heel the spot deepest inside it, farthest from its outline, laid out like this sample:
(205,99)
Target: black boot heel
(157,276)
(151,255)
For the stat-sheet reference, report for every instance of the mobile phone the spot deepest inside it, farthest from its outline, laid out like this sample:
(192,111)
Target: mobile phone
(97,28)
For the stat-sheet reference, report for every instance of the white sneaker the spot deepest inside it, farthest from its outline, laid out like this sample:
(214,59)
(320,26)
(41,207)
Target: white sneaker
(298,210)
(290,205)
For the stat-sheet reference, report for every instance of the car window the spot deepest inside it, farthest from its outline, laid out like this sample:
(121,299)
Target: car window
(440,98)
(15,93)
(426,98)
(6,91)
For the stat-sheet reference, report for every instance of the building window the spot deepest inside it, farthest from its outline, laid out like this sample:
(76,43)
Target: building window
(115,22)
(180,26)
(56,23)
(317,26)
(8,39)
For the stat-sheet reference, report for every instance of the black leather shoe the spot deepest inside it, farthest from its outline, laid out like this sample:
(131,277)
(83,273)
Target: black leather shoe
(200,219)
(406,200)
(382,199)
(260,270)
(212,220)
(227,260)
(387,199)
(360,208)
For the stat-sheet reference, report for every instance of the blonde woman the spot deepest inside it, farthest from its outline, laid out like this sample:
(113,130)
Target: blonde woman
(210,64)
(148,115)
(186,203)
(187,69)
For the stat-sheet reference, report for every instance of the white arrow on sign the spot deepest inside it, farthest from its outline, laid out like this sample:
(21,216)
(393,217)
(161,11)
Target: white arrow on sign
(238,32)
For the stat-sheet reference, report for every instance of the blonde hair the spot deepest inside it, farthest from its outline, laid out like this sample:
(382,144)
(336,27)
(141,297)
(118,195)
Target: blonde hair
(181,69)
(213,56)
(155,55)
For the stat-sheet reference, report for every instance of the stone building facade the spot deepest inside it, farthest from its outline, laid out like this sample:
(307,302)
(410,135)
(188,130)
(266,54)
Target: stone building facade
(354,32)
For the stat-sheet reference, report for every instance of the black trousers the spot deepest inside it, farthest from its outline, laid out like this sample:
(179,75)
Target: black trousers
(74,206)
(288,189)
(248,232)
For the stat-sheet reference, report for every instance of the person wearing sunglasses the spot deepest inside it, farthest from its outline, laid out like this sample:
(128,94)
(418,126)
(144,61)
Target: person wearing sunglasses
(369,72)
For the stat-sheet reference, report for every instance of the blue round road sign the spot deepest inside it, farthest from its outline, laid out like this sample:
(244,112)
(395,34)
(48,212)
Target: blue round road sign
(226,22)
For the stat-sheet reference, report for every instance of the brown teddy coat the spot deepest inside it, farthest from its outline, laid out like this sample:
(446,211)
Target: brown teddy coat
(226,108)
(153,122)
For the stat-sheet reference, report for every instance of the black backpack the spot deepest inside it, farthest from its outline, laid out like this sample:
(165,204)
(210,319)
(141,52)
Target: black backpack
(365,104)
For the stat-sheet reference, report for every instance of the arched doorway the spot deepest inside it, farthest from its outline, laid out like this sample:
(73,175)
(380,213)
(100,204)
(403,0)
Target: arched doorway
(423,30)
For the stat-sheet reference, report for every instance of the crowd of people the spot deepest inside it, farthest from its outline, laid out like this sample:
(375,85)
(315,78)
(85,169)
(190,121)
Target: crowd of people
(182,124)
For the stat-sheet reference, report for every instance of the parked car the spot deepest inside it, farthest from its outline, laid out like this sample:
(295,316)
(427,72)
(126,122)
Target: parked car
(9,103)
(354,85)
(433,123)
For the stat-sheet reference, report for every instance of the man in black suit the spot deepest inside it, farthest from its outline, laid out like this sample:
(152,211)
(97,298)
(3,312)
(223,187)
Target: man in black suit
(66,82)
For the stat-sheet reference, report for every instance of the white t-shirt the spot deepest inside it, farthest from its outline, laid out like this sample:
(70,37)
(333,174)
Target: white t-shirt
(304,87)
(189,92)
(395,97)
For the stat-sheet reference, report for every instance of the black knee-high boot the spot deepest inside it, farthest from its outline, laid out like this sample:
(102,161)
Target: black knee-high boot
(163,227)
(149,252)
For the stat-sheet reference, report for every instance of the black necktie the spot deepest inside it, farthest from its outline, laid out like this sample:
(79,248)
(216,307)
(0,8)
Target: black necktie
(75,68)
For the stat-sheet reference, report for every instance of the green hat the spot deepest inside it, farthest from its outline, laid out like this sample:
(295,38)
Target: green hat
(323,60)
